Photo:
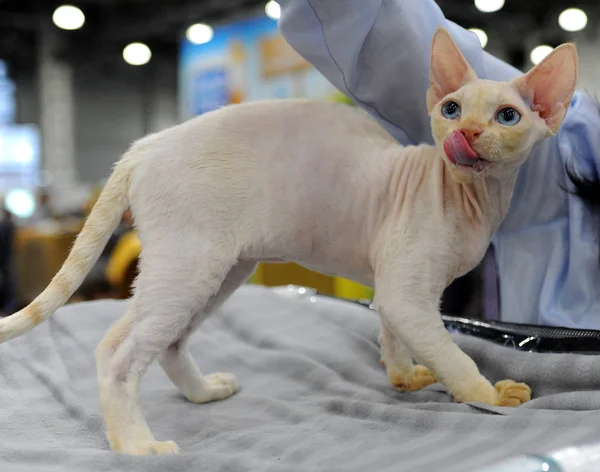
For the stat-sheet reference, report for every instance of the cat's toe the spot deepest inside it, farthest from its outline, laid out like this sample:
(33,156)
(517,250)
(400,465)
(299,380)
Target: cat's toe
(511,393)
(145,448)
(420,378)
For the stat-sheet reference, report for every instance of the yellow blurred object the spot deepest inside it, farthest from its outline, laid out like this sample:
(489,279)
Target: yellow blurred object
(126,252)
(351,290)
(274,274)
(339,97)
(38,257)
(271,274)
(237,76)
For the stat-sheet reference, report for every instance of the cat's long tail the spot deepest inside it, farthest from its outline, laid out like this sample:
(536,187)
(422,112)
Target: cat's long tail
(102,221)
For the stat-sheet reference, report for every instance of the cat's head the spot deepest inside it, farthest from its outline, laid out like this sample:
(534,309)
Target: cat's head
(487,128)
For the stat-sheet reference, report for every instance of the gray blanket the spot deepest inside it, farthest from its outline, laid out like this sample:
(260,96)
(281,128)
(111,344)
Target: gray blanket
(313,398)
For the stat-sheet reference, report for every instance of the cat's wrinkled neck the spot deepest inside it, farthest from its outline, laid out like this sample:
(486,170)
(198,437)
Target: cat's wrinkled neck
(500,191)
(482,201)
(419,183)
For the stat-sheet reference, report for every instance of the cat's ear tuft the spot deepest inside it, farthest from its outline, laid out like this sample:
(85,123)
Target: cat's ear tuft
(449,70)
(548,88)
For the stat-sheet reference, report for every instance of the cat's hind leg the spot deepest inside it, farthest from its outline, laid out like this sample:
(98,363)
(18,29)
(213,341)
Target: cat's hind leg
(177,361)
(402,373)
(171,288)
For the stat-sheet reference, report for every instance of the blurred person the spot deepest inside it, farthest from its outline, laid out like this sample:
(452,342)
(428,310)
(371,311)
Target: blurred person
(547,249)
(8,296)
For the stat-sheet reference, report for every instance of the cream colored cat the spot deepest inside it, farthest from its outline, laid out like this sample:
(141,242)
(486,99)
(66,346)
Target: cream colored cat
(323,185)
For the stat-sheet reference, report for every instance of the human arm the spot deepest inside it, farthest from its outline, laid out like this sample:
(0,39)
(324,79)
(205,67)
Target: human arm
(377,52)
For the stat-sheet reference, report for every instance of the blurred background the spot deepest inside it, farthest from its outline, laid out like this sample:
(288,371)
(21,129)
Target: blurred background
(79,82)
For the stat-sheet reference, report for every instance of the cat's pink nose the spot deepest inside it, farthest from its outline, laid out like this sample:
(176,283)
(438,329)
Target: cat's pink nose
(471,134)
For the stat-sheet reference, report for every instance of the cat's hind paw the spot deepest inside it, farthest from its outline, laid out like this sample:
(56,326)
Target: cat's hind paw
(216,386)
(145,448)
(511,393)
(421,378)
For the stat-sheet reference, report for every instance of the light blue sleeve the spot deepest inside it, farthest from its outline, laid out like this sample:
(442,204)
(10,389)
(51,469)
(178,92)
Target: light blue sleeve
(377,52)
(547,246)
(579,139)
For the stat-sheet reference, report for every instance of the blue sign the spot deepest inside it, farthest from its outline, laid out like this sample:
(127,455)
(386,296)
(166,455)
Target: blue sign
(246,60)
(210,89)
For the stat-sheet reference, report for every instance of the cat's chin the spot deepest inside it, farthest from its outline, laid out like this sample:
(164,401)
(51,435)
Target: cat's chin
(465,174)
(472,163)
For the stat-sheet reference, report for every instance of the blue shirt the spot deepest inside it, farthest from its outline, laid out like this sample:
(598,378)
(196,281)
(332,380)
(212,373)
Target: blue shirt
(377,52)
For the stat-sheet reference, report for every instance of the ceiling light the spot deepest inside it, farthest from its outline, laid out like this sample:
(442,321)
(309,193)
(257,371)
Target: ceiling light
(481,35)
(199,33)
(489,6)
(538,53)
(68,17)
(20,202)
(137,54)
(23,152)
(572,19)
(273,10)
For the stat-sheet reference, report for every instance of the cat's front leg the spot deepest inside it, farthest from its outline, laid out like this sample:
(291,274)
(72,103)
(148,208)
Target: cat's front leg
(409,310)
(397,359)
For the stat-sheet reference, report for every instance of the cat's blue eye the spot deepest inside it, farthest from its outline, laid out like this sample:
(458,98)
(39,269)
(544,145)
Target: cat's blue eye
(451,110)
(508,116)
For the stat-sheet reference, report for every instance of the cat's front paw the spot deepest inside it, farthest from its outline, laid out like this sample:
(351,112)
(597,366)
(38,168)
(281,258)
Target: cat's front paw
(511,393)
(421,377)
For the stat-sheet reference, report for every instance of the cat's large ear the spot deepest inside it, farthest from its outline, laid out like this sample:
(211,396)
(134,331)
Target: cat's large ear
(549,86)
(449,70)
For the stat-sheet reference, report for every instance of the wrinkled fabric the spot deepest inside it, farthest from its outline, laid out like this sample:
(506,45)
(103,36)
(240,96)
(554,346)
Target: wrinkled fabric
(313,397)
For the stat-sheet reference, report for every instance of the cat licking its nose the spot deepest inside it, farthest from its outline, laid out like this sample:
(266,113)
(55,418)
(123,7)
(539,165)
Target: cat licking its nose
(323,185)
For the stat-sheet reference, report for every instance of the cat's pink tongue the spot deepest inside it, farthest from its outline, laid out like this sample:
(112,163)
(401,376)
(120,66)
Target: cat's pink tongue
(458,150)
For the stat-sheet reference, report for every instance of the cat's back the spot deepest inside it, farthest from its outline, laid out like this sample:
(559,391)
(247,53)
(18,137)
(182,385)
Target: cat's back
(276,121)
(255,135)
(298,116)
